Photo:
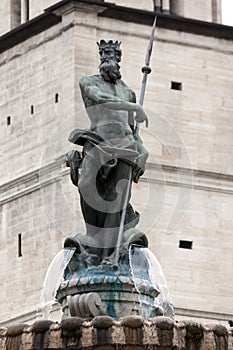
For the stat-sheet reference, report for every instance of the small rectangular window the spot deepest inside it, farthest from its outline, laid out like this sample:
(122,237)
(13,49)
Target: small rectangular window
(20,245)
(32,109)
(176,85)
(186,244)
(8,120)
(27,8)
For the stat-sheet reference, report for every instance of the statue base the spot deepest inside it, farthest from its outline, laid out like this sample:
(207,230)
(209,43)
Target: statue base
(93,288)
(107,294)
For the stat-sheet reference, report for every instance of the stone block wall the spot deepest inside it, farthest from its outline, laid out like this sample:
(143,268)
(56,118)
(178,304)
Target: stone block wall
(13,12)
(5,17)
(104,333)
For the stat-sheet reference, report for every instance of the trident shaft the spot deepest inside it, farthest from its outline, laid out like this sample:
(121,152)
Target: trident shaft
(145,70)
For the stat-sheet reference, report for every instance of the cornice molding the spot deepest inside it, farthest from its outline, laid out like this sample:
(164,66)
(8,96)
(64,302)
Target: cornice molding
(189,178)
(168,21)
(163,174)
(109,10)
(33,181)
(27,30)
(203,314)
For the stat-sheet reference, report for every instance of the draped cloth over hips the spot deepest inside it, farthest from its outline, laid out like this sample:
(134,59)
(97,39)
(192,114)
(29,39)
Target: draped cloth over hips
(107,153)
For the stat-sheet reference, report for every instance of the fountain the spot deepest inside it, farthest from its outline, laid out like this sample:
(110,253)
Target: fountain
(110,270)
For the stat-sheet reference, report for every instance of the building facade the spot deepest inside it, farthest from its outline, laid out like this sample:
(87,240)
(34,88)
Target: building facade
(185,196)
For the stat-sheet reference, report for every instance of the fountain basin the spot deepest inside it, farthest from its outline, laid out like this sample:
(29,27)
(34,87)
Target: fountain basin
(112,295)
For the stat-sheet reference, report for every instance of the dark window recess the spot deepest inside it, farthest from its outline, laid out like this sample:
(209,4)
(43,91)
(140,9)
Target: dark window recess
(8,120)
(176,85)
(186,244)
(32,109)
(20,245)
(230,323)
(56,98)
(27,10)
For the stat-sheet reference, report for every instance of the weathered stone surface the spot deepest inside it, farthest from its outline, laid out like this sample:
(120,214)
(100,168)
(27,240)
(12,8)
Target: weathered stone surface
(164,322)
(133,321)
(15,330)
(41,326)
(204,10)
(71,332)
(71,324)
(102,322)
(100,334)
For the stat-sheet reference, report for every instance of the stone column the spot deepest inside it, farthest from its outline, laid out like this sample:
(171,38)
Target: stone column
(14,13)
(177,7)
(210,11)
(217,11)
(24,11)
(157,5)
(166,6)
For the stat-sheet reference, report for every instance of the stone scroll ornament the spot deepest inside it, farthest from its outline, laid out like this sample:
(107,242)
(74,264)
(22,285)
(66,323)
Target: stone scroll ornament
(99,279)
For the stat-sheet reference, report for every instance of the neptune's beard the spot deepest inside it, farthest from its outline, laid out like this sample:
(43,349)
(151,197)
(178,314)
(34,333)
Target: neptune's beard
(110,70)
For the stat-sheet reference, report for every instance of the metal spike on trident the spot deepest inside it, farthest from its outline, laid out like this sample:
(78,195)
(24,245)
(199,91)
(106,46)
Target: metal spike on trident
(145,70)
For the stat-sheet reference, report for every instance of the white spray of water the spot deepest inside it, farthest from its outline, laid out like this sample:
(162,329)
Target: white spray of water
(133,272)
(155,276)
(54,277)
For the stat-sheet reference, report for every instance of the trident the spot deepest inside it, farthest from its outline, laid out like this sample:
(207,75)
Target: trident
(145,70)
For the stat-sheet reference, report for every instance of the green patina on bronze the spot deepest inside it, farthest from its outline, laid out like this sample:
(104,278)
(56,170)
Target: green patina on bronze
(110,152)
(99,279)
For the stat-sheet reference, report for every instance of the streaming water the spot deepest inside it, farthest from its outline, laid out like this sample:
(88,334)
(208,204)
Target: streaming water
(133,271)
(53,278)
(146,267)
